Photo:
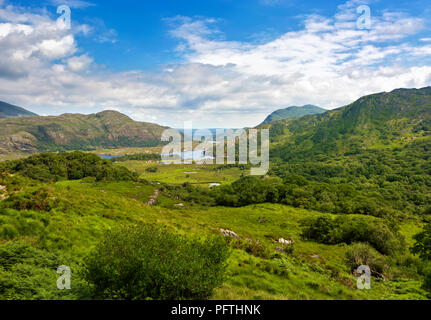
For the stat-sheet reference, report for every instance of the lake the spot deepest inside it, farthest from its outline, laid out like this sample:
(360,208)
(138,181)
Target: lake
(196,155)
(109,156)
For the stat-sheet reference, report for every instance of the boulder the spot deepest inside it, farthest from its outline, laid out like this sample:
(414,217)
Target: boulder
(229,233)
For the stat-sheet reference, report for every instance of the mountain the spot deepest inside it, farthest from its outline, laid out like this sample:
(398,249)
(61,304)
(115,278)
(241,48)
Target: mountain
(9,111)
(108,129)
(371,157)
(293,112)
(382,120)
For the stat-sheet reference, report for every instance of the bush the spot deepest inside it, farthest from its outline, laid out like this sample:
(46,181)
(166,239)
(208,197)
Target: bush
(27,273)
(253,247)
(38,200)
(422,244)
(348,229)
(8,232)
(427,282)
(149,262)
(360,254)
(248,190)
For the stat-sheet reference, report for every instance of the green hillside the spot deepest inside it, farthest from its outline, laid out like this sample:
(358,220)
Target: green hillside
(346,188)
(379,147)
(107,129)
(10,111)
(62,218)
(293,112)
(378,121)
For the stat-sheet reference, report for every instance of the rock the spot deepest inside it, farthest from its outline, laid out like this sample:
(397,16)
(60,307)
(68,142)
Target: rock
(285,242)
(180,205)
(153,198)
(229,233)
(214,185)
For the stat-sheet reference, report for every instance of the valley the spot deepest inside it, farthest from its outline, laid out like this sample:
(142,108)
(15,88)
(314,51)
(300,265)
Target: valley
(345,188)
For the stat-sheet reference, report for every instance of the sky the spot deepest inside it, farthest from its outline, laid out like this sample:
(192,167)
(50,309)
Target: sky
(217,63)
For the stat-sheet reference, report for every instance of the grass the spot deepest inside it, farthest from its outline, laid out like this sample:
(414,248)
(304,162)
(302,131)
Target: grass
(181,173)
(312,271)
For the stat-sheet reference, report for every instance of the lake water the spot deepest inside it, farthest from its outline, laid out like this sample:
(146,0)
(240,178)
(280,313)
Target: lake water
(197,155)
(108,156)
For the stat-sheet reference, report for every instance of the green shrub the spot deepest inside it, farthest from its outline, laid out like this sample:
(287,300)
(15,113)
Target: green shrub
(360,254)
(251,246)
(427,282)
(8,232)
(422,244)
(38,200)
(149,262)
(27,273)
(348,229)
(249,190)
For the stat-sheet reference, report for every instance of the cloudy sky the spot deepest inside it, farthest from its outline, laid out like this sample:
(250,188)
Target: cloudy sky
(218,63)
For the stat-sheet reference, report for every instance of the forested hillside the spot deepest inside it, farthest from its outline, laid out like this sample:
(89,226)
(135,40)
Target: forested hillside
(371,157)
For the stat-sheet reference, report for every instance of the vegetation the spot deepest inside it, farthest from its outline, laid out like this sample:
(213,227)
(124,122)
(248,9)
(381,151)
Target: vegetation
(67,166)
(149,262)
(422,247)
(422,244)
(138,156)
(346,188)
(107,129)
(347,229)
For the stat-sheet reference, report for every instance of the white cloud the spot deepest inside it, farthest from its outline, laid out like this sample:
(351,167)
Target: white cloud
(57,48)
(73,3)
(220,83)
(79,63)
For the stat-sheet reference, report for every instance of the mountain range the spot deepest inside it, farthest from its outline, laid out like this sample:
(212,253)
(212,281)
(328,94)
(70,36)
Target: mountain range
(388,119)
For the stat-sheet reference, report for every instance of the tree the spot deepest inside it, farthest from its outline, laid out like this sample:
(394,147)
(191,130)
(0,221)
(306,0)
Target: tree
(422,246)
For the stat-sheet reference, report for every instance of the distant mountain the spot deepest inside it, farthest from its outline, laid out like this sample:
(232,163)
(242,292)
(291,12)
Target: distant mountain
(293,112)
(107,129)
(10,111)
(383,120)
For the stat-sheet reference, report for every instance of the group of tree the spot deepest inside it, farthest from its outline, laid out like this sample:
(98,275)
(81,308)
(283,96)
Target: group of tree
(51,167)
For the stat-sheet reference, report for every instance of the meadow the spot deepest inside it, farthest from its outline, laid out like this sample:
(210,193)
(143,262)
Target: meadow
(259,267)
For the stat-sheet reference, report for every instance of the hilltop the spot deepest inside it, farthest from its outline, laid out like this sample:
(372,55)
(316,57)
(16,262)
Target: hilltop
(108,129)
(9,111)
(377,121)
(293,112)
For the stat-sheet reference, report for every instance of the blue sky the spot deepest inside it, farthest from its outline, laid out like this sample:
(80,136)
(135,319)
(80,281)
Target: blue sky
(219,63)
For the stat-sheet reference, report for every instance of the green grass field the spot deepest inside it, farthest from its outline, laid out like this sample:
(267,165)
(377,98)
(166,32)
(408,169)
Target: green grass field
(181,173)
(256,270)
